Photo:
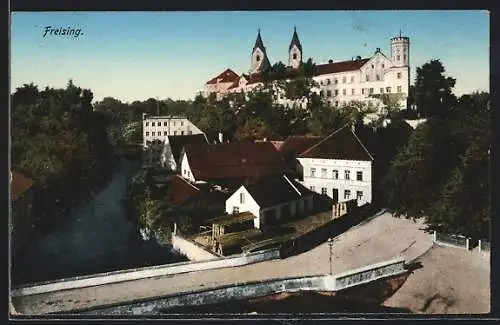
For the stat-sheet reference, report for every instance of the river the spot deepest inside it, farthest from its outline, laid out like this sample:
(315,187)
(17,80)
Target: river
(96,238)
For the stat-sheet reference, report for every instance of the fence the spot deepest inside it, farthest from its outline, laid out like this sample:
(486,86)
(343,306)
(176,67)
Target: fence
(452,240)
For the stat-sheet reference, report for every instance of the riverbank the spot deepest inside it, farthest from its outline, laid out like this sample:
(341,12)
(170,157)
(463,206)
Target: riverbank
(96,238)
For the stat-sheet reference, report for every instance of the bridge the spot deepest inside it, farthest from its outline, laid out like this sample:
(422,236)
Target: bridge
(378,239)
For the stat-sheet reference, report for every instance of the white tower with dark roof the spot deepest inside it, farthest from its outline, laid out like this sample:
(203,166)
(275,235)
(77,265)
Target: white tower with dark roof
(260,61)
(295,51)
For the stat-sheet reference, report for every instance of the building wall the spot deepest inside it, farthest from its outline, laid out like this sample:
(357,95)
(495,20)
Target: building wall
(327,181)
(167,158)
(185,169)
(160,127)
(249,204)
(191,250)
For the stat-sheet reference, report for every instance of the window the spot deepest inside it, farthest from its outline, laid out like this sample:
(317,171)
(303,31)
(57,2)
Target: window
(165,133)
(312,188)
(373,66)
(336,81)
(313,172)
(359,195)
(323,172)
(383,65)
(388,89)
(190,132)
(175,132)
(147,123)
(147,134)
(347,175)
(399,89)
(352,91)
(328,82)
(295,56)
(371,91)
(404,57)
(399,75)
(382,90)
(257,58)
(347,194)
(236,210)
(377,77)
(322,93)
(323,190)
(362,91)
(336,92)
(343,80)
(367,78)
(182,123)
(321,82)
(335,174)
(352,78)
(398,57)
(242,198)
(152,123)
(344,92)
(336,103)
(359,176)
(329,103)
(182,132)
(153,133)
(328,93)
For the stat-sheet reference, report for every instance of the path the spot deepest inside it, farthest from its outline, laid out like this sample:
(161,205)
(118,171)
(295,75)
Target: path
(381,238)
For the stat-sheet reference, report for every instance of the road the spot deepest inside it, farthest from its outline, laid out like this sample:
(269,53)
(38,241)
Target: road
(97,238)
(377,239)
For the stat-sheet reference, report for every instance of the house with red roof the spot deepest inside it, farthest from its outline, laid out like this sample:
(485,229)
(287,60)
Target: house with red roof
(22,210)
(338,166)
(340,82)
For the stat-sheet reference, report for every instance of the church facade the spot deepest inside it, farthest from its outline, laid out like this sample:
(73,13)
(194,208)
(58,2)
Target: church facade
(339,82)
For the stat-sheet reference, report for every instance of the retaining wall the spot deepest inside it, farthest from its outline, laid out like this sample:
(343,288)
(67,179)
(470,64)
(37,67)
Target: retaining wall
(145,272)
(258,289)
(192,250)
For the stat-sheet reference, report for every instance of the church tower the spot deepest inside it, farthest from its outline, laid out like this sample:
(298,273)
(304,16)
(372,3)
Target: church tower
(295,51)
(260,61)
(400,51)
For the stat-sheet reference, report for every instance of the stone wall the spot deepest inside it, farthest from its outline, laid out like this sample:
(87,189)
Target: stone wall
(192,250)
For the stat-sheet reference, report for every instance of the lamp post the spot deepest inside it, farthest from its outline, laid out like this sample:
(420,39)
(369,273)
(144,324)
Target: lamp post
(330,243)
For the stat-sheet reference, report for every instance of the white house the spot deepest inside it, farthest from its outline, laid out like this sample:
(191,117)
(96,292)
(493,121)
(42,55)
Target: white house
(272,200)
(340,82)
(160,127)
(339,166)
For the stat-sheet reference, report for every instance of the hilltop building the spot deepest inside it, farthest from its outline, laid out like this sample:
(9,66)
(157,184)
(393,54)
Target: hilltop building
(161,127)
(357,79)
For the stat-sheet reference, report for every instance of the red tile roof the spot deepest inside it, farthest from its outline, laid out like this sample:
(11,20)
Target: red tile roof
(179,190)
(227,76)
(235,160)
(342,66)
(298,144)
(19,185)
(342,144)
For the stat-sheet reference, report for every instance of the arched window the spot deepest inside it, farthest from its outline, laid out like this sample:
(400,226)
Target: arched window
(257,58)
(295,56)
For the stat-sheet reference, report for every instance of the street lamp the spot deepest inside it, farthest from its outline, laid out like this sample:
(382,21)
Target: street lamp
(330,243)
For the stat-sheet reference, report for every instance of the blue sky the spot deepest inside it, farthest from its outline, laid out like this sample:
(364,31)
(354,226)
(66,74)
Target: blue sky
(138,55)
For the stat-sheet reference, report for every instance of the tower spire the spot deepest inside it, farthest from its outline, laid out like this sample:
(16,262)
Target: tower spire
(399,32)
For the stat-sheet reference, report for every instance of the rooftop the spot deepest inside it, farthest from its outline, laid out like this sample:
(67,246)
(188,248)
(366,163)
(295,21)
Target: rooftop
(19,185)
(231,219)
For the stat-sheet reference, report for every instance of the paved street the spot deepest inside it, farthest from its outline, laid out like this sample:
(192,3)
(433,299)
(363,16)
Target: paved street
(378,239)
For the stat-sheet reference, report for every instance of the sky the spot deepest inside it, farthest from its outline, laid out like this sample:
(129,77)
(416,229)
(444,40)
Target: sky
(139,55)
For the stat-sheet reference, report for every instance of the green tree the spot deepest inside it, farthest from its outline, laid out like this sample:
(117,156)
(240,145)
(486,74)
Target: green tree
(433,90)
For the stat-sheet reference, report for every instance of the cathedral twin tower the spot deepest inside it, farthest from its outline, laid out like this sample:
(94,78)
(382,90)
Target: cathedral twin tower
(260,60)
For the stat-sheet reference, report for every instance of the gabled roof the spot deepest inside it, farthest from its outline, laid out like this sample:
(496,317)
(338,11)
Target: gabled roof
(179,190)
(178,142)
(342,144)
(297,144)
(342,66)
(295,41)
(234,160)
(19,185)
(274,190)
(227,76)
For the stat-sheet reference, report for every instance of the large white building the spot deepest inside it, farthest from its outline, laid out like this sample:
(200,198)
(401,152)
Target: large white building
(161,127)
(338,165)
(358,79)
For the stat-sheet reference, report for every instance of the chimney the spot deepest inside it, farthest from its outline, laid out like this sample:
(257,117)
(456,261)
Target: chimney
(221,137)
(330,61)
